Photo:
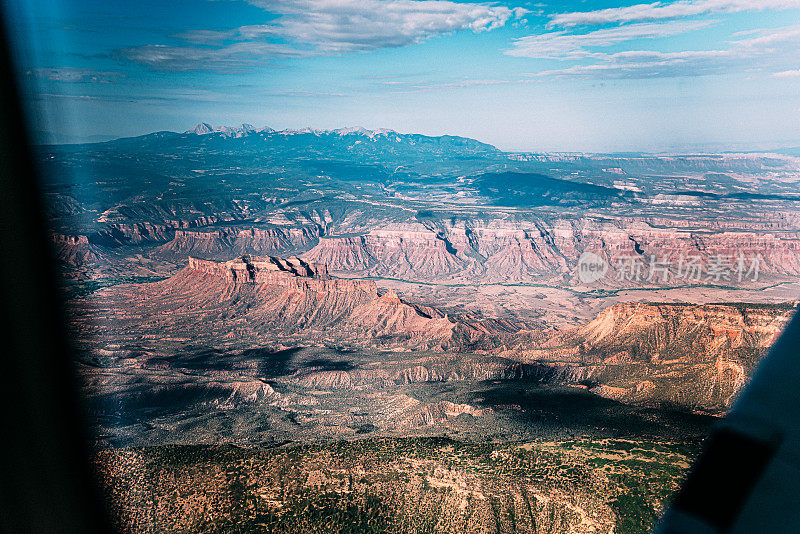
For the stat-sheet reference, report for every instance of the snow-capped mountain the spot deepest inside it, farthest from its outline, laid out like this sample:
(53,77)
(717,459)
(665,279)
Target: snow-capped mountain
(244,129)
(205,128)
(355,145)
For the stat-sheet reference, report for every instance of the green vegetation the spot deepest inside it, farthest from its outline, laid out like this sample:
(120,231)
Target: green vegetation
(394,485)
(83,288)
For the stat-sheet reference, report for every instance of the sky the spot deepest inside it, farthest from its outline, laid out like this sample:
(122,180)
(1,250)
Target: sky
(565,76)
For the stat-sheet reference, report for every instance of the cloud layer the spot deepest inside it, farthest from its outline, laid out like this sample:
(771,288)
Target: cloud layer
(230,58)
(333,26)
(787,74)
(764,49)
(564,45)
(662,11)
(323,27)
(75,75)
(610,43)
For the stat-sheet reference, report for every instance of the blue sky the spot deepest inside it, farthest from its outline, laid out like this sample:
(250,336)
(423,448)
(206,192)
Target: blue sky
(688,75)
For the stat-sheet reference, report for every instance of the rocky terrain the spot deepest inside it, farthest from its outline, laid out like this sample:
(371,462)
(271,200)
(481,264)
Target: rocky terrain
(698,356)
(349,329)
(400,485)
(550,253)
(274,349)
(285,303)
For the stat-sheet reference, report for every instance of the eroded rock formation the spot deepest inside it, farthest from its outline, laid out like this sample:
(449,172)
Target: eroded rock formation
(227,242)
(289,300)
(528,252)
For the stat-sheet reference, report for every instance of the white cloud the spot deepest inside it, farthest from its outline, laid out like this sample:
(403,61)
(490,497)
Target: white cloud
(663,10)
(423,87)
(787,74)
(354,25)
(762,50)
(72,74)
(304,94)
(231,58)
(324,27)
(772,39)
(638,64)
(563,45)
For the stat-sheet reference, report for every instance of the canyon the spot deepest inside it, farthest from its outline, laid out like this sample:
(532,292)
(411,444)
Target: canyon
(406,330)
(281,338)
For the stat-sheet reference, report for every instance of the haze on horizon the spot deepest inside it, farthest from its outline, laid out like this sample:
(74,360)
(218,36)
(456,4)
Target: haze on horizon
(553,76)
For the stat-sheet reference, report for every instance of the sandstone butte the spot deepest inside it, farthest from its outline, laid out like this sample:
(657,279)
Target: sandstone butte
(288,300)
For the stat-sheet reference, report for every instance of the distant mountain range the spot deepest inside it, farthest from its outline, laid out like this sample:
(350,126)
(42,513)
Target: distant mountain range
(314,147)
(244,129)
(211,173)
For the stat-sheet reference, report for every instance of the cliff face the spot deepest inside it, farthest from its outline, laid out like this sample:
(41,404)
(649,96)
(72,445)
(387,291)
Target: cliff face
(503,254)
(75,251)
(226,242)
(479,251)
(289,300)
(80,259)
(136,233)
(696,356)
(419,253)
(498,253)
(246,270)
(663,333)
